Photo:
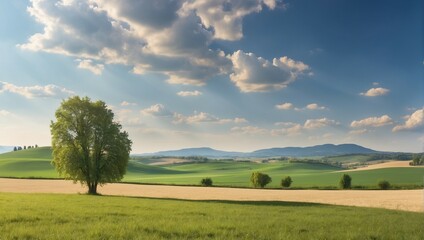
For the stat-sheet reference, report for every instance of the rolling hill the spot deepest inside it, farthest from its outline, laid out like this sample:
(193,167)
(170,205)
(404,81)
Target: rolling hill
(36,163)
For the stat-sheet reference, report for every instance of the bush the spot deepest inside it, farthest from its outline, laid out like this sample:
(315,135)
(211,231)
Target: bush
(384,185)
(206,182)
(260,179)
(345,182)
(286,182)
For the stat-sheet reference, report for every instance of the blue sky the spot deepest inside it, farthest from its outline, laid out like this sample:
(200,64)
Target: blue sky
(232,75)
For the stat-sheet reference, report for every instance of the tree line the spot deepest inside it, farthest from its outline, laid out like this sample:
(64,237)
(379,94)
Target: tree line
(19,148)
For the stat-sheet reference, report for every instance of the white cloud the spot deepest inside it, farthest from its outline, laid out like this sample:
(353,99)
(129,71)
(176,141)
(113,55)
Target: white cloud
(125,104)
(372,122)
(414,121)
(375,83)
(256,74)
(314,106)
(293,129)
(189,93)
(88,64)
(225,17)
(284,106)
(289,129)
(170,37)
(374,92)
(358,132)
(157,110)
(250,130)
(319,123)
(203,117)
(289,106)
(36,91)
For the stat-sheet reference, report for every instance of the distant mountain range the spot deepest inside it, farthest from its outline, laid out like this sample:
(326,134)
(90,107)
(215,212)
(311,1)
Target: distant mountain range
(319,150)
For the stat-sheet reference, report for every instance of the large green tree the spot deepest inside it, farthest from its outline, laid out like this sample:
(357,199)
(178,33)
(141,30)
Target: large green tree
(88,146)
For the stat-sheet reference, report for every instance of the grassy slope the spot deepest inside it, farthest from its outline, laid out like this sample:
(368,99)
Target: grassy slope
(36,163)
(226,173)
(43,216)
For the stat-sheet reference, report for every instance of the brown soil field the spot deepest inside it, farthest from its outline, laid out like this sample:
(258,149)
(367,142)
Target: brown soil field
(407,200)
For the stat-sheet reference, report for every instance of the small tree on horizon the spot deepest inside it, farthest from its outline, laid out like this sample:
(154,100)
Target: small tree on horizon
(15,149)
(88,146)
(345,182)
(259,179)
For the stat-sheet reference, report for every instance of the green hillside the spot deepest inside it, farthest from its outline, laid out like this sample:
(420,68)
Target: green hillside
(34,162)
(37,163)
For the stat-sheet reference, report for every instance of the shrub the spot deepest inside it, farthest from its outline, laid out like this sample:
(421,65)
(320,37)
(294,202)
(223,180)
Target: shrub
(286,182)
(260,179)
(345,182)
(384,184)
(206,182)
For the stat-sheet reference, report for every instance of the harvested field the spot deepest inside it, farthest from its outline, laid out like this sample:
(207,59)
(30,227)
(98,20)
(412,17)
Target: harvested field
(407,200)
(390,164)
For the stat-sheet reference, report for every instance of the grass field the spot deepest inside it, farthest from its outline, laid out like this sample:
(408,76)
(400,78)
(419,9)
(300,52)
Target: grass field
(54,216)
(36,163)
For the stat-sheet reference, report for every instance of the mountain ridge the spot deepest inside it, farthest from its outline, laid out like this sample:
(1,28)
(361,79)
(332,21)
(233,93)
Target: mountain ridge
(317,150)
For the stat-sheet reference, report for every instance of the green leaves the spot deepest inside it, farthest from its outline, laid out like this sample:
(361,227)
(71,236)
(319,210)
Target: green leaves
(259,179)
(88,146)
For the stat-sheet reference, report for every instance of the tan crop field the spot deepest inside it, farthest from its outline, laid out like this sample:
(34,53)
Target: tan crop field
(407,200)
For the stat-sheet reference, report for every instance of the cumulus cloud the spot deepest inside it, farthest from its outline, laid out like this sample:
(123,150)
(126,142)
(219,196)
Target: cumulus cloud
(224,16)
(293,129)
(157,110)
(250,130)
(288,106)
(319,123)
(170,37)
(372,122)
(284,106)
(203,117)
(374,92)
(125,104)
(88,64)
(256,74)
(414,121)
(36,91)
(189,93)
(314,106)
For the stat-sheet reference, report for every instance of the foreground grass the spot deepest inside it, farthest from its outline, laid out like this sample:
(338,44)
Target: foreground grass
(49,216)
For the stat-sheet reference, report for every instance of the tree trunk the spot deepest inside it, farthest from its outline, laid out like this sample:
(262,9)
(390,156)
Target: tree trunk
(92,188)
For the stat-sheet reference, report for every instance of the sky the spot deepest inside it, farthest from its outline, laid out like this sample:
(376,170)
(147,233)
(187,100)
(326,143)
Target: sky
(236,75)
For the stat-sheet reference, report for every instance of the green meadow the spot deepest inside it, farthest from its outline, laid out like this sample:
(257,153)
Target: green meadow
(55,216)
(36,163)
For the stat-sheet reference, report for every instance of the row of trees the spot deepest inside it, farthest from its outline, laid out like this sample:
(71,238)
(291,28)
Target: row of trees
(260,180)
(19,148)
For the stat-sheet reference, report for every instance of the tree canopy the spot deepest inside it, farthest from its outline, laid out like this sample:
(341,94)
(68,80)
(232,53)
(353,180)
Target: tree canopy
(88,146)
(259,179)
